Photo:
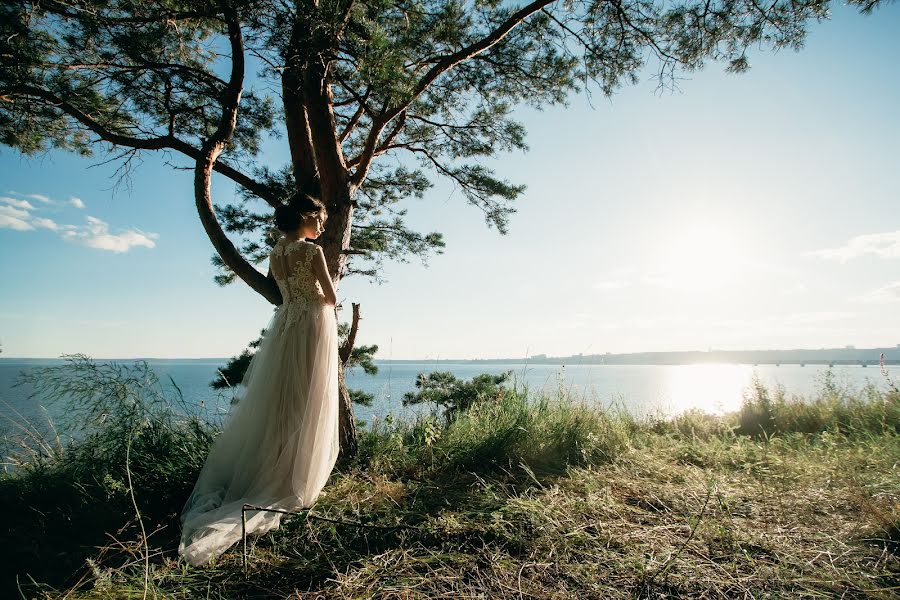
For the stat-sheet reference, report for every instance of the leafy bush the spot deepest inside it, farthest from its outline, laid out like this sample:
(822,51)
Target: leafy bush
(453,395)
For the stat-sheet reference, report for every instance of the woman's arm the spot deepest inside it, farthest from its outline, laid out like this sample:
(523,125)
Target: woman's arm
(321,271)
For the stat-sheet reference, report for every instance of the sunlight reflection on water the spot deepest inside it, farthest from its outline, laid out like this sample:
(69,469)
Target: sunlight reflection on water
(638,389)
(660,389)
(711,388)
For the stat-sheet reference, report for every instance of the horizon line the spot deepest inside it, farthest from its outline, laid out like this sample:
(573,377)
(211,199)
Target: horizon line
(539,356)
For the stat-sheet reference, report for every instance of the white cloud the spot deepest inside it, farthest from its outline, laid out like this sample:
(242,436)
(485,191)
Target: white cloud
(45,223)
(23,204)
(616,279)
(883,295)
(96,235)
(883,245)
(13,212)
(72,201)
(7,222)
(792,322)
(14,215)
(646,322)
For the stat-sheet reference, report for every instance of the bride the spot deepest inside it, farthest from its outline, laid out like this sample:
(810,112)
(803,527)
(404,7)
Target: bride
(280,441)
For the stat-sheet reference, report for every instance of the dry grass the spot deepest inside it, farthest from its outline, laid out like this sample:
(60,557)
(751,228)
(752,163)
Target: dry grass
(546,500)
(785,518)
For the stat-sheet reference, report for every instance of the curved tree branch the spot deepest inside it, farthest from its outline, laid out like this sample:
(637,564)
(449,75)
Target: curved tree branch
(347,347)
(296,120)
(165,142)
(351,123)
(368,152)
(449,61)
(364,160)
(207,160)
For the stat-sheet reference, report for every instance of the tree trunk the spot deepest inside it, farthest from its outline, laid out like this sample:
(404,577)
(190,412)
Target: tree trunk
(334,240)
(346,418)
(318,163)
(335,189)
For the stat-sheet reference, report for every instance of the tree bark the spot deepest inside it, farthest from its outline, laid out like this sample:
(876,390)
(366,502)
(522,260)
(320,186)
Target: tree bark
(320,168)
(206,161)
(334,240)
(299,136)
(316,123)
(346,418)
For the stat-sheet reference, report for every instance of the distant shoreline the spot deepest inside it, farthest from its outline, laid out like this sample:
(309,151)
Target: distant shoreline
(821,357)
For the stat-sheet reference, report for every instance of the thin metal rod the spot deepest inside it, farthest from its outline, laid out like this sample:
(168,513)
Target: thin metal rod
(244,537)
(309,514)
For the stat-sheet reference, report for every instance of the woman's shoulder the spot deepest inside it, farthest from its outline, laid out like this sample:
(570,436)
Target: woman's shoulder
(287,244)
(303,247)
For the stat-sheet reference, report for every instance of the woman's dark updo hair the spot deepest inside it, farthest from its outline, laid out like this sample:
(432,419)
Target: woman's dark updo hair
(288,217)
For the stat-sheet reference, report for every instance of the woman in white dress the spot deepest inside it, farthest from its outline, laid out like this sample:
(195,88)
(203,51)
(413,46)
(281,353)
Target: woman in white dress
(280,442)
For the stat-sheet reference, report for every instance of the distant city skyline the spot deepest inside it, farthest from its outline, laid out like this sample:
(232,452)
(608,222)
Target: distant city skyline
(871,355)
(740,212)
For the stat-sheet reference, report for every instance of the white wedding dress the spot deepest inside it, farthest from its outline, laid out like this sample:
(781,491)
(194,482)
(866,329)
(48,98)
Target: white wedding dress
(280,441)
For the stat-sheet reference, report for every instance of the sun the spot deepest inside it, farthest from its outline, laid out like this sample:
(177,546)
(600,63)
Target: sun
(700,257)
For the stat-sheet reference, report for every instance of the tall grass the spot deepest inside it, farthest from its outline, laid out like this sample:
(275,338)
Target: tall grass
(129,441)
(505,432)
(511,477)
(834,409)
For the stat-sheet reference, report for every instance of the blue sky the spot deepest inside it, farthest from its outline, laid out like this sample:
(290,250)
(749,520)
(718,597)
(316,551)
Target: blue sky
(742,211)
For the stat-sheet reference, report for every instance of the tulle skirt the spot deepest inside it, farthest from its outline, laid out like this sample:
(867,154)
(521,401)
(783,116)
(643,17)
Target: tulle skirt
(280,441)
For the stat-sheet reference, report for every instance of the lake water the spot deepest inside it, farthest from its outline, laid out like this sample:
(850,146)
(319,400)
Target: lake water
(639,389)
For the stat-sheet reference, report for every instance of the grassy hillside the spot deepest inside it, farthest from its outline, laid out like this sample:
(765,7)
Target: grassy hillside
(512,498)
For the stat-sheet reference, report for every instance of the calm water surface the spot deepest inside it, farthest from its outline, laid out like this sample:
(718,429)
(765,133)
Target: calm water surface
(639,389)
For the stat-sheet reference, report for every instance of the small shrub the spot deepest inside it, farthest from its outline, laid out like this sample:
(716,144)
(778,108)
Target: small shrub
(453,395)
(756,416)
(799,416)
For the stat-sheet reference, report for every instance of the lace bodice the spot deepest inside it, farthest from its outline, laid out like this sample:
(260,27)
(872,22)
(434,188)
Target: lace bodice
(291,263)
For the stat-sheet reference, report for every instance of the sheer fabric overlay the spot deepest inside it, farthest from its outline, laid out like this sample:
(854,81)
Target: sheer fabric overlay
(280,441)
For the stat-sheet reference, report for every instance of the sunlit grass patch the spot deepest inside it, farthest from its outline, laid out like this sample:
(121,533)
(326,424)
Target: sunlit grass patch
(768,411)
(515,495)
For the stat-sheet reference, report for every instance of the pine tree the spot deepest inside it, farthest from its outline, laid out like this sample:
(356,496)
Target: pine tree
(357,80)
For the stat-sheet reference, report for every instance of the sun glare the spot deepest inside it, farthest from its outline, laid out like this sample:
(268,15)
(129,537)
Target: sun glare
(700,257)
(713,388)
